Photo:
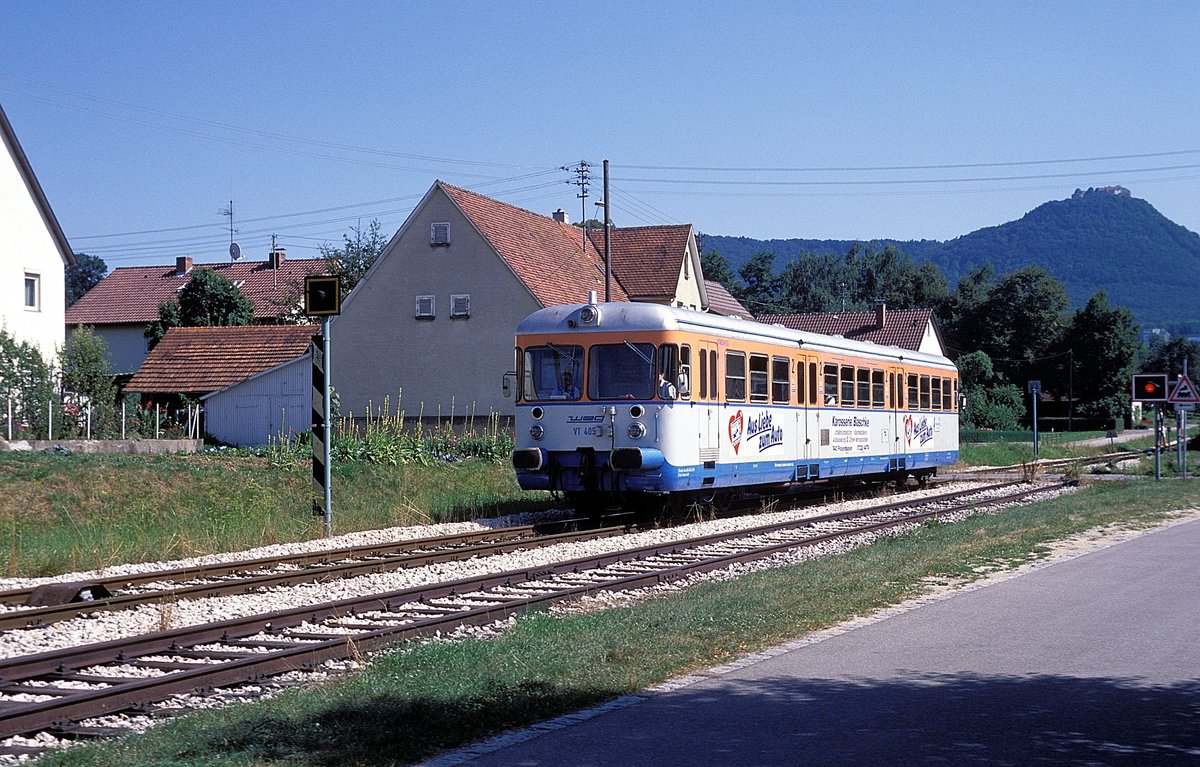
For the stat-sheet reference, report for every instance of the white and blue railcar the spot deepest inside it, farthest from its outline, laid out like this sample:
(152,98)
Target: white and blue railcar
(620,400)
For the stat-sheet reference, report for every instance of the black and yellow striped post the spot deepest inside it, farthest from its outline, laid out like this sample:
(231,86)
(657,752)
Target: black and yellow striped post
(320,429)
(322,297)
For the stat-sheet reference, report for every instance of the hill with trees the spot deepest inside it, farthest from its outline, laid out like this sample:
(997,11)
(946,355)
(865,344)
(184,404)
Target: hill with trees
(1098,239)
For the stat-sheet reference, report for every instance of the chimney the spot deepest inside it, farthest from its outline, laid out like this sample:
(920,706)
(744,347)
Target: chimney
(560,216)
(276,256)
(880,312)
(183,265)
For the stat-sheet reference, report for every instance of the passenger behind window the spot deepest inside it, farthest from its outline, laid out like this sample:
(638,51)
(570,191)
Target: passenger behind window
(666,389)
(566,389)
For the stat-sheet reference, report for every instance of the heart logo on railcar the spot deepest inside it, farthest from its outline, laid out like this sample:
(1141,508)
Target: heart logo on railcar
(736,429)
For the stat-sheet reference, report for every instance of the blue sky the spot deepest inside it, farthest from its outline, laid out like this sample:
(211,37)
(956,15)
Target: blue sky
(143,120)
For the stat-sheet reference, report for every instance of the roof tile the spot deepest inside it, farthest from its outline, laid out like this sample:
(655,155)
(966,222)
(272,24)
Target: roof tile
(904,328)
(205,359)
(131,294)
(552,258)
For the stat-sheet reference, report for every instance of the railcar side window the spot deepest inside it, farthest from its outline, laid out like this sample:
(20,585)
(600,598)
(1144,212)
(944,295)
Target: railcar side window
(924,392)
(947,395)
(552,372)
(621,371)
(781,384)
(831,385)
(758,378)
(812,383)
(936,385)
(735,375)
(892,391)
(863,377)
(703,375)
(684,380)
(668,370)
(876,388)
(847,386)
(912,392)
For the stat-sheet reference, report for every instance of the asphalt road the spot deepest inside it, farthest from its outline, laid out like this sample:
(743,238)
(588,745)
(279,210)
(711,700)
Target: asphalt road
(1090,661)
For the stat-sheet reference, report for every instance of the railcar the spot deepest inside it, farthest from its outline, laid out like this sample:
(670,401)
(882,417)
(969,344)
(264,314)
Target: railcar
(620,402)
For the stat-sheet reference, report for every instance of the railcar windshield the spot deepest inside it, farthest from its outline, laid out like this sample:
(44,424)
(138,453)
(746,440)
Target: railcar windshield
(552,372)
(621,371)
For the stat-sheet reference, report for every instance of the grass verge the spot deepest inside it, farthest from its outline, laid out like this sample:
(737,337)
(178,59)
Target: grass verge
(62,513)
(423,698)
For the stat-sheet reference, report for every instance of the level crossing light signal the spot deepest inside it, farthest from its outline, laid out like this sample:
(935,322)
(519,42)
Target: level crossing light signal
(322,295)
(1150,387)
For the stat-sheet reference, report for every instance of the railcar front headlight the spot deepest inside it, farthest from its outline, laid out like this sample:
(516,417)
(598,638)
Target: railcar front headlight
(636,430)
(537,431)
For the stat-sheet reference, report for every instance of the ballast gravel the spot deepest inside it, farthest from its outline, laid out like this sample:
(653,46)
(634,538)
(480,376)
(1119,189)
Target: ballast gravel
(96,627)
(104,626)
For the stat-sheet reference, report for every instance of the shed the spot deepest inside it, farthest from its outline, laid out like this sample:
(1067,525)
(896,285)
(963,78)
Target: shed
(264,407)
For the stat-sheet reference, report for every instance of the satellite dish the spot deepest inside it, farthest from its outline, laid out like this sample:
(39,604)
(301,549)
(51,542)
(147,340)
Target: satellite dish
(235,251)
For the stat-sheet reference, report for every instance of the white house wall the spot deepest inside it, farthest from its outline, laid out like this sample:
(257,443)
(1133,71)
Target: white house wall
(433,366)
(260,409)
(27,247)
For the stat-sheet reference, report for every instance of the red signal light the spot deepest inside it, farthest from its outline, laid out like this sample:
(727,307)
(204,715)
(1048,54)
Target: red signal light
(1150,387)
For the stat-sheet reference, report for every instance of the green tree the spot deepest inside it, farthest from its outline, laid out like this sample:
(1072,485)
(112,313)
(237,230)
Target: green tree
(208,299)
(717,269)
(1022,322)
(760,287)
(87,379)
(355,257)
(26,383)
(962,318)
(83,276)
(1103,345)
(1167,356)
(988,402)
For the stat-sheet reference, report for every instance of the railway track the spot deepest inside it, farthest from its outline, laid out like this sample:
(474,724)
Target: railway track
(42,605)
(63,692)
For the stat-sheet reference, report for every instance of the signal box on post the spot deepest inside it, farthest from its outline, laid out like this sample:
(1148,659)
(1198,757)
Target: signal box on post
(322,296)
(1150,387)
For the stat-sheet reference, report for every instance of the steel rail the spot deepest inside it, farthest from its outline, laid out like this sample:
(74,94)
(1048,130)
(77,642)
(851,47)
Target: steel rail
(309,649)
(374,558)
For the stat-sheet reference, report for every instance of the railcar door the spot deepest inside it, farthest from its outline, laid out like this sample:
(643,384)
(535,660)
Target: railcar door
(896,407)
(806,398)
(707,401)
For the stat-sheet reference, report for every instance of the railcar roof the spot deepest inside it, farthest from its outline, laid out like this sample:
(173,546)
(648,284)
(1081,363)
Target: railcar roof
(645,316)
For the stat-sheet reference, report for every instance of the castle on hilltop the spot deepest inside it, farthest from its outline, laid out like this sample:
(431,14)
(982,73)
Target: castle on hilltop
(1119,191)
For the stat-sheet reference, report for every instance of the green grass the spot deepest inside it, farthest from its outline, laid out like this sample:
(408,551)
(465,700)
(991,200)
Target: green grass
(412,703)
(61,513)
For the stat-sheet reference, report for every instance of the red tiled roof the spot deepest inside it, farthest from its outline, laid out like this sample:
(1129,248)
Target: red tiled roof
(902,327)
(203,360)
(131,294)
(721,302)
(647,258)
(550,257)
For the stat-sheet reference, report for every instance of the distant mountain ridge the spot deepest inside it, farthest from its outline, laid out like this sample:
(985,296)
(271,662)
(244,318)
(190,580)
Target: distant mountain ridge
(1098,239)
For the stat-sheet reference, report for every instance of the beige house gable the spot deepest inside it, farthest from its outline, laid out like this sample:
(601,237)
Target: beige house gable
(430,327)
(34,254)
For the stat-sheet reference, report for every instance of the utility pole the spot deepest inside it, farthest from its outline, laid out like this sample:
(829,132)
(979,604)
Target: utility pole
(583,177)
(607,240)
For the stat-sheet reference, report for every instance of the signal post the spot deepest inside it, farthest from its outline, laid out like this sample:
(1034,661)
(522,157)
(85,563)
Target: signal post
(322,298)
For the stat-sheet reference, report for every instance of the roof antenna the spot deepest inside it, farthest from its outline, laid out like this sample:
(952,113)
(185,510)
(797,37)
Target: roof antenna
(235,250)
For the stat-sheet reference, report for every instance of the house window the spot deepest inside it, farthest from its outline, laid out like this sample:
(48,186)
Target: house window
(33,291)
(439,233)
(460,305)
(426,308)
